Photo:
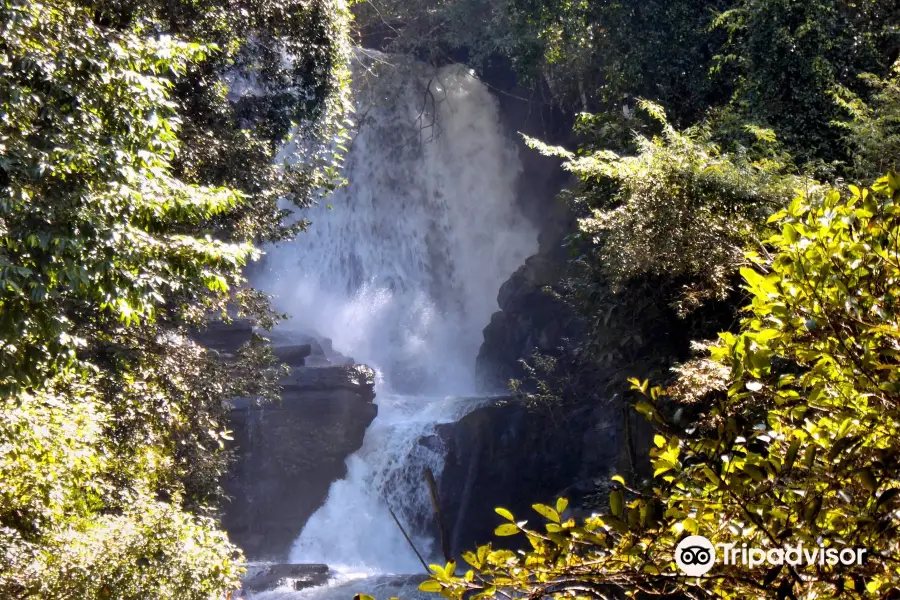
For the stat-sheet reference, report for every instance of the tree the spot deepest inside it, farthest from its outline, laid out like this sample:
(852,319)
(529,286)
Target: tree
(772,63)
(590,55)
(792,440)
(679,207)
(120,231)
(872,130)
(786,57)
(279,70)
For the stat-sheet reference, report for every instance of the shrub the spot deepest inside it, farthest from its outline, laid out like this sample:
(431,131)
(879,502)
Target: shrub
(800,448)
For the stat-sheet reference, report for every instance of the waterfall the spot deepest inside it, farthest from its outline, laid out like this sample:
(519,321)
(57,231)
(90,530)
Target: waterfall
(401,271)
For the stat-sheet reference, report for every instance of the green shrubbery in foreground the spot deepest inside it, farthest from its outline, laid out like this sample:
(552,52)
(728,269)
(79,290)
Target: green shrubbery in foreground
(796,440)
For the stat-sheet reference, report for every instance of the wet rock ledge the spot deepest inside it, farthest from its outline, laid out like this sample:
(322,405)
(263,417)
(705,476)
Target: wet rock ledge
(296,577)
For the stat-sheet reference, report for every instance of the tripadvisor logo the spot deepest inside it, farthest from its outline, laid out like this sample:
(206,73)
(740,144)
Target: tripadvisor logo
(695,555)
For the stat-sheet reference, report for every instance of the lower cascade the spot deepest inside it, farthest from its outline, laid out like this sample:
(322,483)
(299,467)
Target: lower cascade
(401,271)
(354,531)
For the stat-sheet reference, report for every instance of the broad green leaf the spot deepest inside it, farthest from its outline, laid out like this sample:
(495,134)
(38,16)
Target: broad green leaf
(546,512)
(504,513)
(506,529)
(430,586)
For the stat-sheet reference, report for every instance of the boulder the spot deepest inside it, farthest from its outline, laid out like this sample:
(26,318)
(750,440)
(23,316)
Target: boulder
(224,337)
(537,272)
(297,577)
(287,454)
(506,454)
(533,320)
(321,353)
(316,382)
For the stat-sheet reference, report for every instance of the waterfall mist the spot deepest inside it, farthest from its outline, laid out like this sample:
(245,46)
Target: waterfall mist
(403,272)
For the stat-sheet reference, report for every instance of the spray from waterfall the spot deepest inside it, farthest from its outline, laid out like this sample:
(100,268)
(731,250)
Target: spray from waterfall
(402,274)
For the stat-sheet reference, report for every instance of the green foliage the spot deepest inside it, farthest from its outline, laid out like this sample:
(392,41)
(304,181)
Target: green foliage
(785,57)
(583,51)
(433,30)
(679,207)
(873,129)
(772,63)
(91,210)
(274,69)
(121,230)
(799,446)
(70,530)
(783,433)
(609,53)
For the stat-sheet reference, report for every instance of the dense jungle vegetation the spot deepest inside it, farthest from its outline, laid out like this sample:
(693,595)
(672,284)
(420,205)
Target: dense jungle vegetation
(135,184)
(737,154)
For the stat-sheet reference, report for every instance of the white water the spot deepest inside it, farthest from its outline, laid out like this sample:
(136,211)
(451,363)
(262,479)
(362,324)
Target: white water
(344,587)
(403,275)
(403,272)
(354,532)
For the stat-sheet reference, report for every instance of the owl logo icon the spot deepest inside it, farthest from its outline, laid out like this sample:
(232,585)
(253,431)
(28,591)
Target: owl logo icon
(695,555)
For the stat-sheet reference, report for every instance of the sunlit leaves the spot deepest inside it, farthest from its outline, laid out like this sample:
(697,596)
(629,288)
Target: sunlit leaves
(871,128)
(504,513)
(125,223)
(679,208)
(97,179)
(799,446)
(506,529)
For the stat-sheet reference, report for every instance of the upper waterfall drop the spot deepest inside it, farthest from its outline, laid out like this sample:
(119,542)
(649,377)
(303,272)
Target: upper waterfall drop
(403,272)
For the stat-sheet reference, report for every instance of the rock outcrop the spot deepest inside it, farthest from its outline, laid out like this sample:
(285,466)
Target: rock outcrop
(321,352)
(352,382)
(505,454)
(295,577)
(531,316)
(289,453)
(224,337)
(294,355)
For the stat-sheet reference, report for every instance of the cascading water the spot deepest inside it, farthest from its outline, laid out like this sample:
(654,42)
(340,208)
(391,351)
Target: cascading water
(353,531)
(403,275)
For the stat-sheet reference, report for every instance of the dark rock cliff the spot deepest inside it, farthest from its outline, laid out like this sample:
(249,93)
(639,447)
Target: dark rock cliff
(511,455)
(530,319)
(288,454)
